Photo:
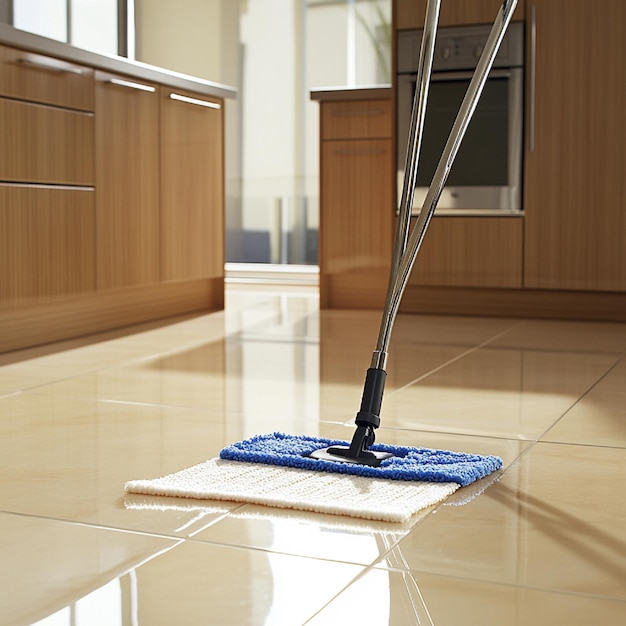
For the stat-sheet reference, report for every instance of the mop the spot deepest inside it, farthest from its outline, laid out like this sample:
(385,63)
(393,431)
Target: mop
(359,478)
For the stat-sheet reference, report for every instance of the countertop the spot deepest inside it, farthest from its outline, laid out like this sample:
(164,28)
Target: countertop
(43,45)
(332,94)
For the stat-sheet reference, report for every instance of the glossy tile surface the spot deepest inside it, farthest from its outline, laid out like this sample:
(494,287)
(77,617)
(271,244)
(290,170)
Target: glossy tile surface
(543,541)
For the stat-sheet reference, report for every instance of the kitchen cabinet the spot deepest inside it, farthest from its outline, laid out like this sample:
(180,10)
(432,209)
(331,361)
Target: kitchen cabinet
(111,192)
(356,202)
(410,13)
(127,184)
(471,252)
(575,222)
(47,206)
(564,257)
(192,187)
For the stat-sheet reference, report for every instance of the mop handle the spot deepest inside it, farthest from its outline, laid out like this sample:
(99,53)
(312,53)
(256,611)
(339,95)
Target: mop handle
(418,113)
(406,257)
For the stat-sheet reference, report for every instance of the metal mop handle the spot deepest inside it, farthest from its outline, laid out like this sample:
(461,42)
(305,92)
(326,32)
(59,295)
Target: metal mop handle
(418,113)
(405,254)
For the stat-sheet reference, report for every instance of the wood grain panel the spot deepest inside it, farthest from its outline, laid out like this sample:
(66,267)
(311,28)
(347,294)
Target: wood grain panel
(410,13)
(523,303)
(364,288)
(575,177)
(192,188)
(30,76)
(471,252)
(43,144)
(47,240)
(356,119)
(356,205)
(127,184)
(99,311)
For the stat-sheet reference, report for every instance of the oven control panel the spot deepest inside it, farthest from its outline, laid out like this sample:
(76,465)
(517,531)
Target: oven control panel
(459,48)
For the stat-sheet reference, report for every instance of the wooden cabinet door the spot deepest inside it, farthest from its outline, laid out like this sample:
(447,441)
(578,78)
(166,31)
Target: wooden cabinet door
(356,119)
(471,252)
(46,243)
(39,78)
(356,222)
(127,181)
(45,144)
(410,13)
(575,222)
(192,186)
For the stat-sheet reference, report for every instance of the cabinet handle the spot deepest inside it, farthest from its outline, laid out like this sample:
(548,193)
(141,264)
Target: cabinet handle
(533,68)
(130,85)
(200,103)
(49,67)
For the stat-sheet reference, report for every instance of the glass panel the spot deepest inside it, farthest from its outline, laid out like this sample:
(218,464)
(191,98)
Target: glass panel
(482,157)
(94,25)
(288,48)
(348,43)
(42,17)
(372,42)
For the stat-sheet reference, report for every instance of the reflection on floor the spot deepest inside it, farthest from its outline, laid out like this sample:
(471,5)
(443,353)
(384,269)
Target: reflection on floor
(543,544)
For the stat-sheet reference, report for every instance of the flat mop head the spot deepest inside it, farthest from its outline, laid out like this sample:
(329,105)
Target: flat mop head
(276,470)
(405,463)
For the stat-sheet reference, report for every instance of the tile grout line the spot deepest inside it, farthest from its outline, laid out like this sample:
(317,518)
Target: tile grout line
(457,358)
(581,397)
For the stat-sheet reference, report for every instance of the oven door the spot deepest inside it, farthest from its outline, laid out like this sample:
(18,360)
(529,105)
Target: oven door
(486,176)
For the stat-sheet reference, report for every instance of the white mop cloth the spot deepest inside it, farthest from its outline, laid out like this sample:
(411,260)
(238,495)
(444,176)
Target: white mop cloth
(290,488)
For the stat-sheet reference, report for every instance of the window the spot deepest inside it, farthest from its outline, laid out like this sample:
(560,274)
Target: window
(97,25)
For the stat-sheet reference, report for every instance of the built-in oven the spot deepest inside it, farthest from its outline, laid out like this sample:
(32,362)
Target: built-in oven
(486,177)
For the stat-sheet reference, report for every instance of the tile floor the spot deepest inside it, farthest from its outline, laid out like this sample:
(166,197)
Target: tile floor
(545,543)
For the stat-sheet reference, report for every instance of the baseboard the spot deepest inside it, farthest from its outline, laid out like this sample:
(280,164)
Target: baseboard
(360,290)
(529,303)
(94,312)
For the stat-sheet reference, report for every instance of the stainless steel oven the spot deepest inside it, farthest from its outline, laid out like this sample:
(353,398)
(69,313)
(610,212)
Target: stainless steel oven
(486,177)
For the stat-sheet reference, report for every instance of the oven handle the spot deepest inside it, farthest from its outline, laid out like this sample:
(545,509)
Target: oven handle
(533,76)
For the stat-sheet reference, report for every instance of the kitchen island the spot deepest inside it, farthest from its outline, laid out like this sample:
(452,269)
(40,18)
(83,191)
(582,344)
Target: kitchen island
(111,191)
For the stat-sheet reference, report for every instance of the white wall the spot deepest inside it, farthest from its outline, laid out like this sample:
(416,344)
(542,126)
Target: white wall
(273,52)
(196,37)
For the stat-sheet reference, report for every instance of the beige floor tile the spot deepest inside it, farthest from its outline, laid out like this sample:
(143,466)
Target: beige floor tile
(599,419)
(342,376)
(200,583)
(329,537)
(541,542)
(570,336)
(510,393)
(243,374)
(376,598)
(420,345)
(49,565)
(40,366)
(69,459)
(193,378)
(361,328)
(397,598)
(555,521)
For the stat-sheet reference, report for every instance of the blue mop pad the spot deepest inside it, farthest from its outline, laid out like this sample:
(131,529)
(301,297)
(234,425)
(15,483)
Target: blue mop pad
(410,464)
